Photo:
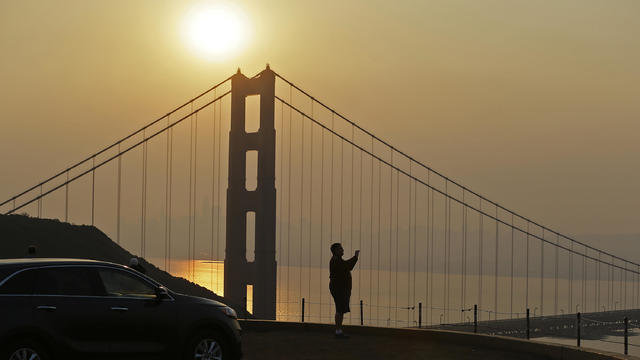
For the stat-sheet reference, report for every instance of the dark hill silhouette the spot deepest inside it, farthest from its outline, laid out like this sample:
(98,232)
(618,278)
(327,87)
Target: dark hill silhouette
(53,238)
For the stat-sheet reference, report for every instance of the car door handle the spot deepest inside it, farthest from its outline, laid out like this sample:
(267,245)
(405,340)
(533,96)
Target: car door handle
(119,308)
(46,307)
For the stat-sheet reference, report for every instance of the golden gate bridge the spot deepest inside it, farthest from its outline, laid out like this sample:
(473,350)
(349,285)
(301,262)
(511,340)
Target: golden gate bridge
(244,187)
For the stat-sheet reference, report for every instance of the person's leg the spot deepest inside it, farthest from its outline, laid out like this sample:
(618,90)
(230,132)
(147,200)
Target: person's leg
(339,318)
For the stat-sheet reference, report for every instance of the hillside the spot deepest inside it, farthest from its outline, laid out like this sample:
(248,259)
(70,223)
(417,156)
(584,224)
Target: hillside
(53,238)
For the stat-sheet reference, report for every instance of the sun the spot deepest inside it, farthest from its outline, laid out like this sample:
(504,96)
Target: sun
(216,30)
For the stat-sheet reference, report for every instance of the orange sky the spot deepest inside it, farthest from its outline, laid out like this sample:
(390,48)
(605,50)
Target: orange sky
(533,104)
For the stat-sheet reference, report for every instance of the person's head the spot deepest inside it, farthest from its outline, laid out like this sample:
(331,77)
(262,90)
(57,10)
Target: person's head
(133,262)
(336,249)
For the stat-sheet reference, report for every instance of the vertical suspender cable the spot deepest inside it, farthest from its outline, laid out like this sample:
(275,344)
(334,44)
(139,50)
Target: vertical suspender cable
(40,203)
(332,181)
(341,189)
(93,192)
(390,234)
(431,217)
(281,202)
(480,254)
(302,120)
(609,284)
(555,302)
(512,248)
(371,234)
(463,285)
(584,280)
(379,238)
(624,301)
(213,191)
(445,291)
(361,185)
(166,202)
(143,201)
(409,248)
(598,264)
(495,286)
(195,190)
(571,277)
(527,272)
(448,251)
(190,216)
(620,289)
(427,292)
(66,199)
(331,177)
(169,212)
(289,161)
(397,240)
(415,243)
(218,175)
(542,275)
(310,196)
(351,217)
(119,190)
(321,219)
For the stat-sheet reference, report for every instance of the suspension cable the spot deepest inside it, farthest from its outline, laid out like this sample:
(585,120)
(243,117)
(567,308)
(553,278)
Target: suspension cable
(109,159)
(435,172)
(438,190)
(117,143)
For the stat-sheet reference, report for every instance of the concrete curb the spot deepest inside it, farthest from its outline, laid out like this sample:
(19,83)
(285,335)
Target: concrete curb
(542,349)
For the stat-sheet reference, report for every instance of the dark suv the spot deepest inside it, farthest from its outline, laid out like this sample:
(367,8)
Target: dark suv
(66,308)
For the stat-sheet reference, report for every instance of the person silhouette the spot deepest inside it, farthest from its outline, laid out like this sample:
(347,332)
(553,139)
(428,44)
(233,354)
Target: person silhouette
(340,283)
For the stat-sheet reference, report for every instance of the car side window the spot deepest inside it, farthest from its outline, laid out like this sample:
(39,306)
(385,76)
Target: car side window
(120,283)
(70,281)
(19,284)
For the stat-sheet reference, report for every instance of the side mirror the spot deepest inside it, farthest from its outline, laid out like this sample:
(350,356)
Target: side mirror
(162,293)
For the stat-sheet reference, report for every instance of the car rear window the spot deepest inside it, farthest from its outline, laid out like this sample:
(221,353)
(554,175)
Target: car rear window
(19,284)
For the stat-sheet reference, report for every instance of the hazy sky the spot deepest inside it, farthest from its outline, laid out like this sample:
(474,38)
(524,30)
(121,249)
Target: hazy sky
(535,104)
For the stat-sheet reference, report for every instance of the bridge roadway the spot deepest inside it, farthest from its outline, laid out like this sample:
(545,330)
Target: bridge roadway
(594,326)
(310,341)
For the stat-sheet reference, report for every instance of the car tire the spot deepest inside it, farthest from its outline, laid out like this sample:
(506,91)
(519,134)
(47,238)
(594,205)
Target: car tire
(24,349)
(208,345)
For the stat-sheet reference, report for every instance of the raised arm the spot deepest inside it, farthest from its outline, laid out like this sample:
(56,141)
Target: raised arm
(351,263)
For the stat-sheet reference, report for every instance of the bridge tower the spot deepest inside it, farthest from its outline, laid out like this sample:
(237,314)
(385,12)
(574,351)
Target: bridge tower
(238,272)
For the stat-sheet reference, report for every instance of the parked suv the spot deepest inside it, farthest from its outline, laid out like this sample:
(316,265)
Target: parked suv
(65,308)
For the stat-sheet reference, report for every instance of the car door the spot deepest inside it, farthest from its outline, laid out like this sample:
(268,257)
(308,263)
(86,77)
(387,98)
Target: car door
(68,306)
(139,322)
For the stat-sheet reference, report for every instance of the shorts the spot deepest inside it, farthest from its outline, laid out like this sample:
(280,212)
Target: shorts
(341,297)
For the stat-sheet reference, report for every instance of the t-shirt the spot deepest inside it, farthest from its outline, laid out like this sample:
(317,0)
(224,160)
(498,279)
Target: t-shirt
(340,270)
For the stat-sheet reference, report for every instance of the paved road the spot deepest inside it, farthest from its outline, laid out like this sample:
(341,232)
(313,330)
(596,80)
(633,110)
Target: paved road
(312,344)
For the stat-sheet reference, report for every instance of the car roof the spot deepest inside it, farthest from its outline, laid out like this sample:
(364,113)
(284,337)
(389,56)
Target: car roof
(52,261)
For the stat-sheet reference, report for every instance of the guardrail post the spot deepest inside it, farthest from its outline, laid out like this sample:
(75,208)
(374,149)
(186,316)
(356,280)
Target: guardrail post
(475,318)
(528,325)
(626,335)
(419,315)
(578,332)
(361,314)
(302,309)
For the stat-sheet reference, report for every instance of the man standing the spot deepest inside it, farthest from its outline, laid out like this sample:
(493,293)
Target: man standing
(340,283)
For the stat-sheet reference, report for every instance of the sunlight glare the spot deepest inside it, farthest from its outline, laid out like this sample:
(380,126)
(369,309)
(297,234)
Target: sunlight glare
(216,30)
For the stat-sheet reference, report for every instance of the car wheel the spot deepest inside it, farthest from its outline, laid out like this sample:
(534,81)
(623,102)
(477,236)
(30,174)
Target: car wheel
(208,345)
(25,350)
